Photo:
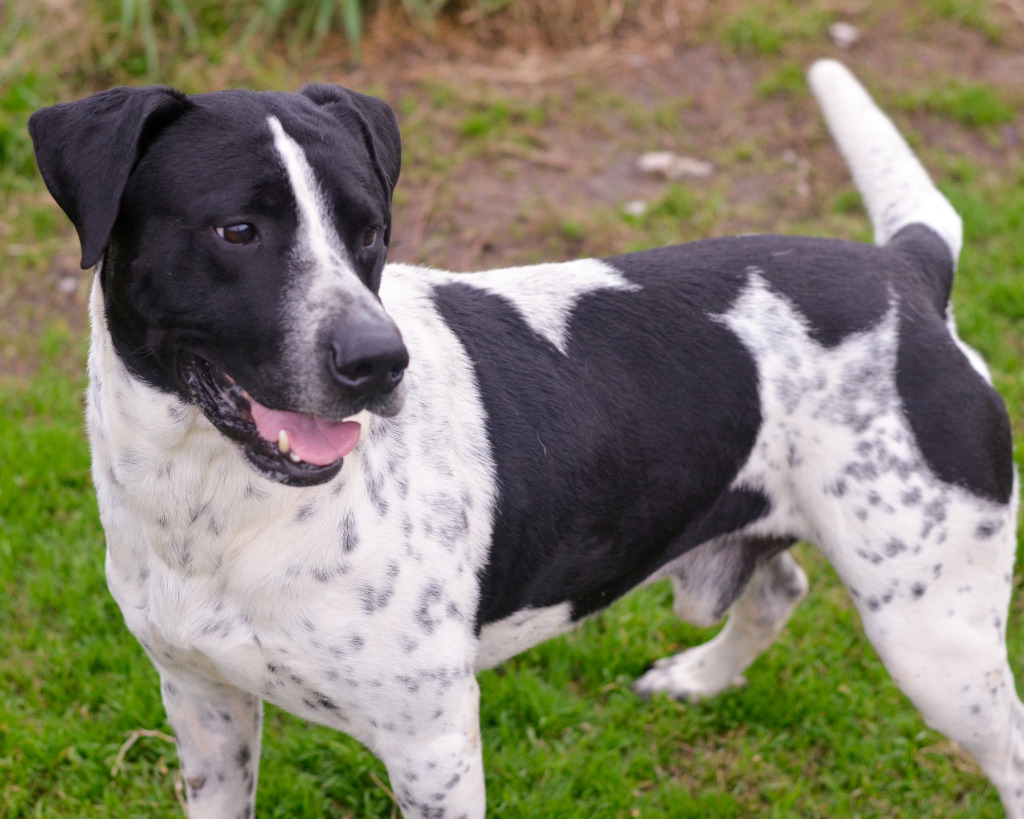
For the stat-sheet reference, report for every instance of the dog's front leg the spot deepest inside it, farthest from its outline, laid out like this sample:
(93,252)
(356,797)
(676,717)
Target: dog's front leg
(217,728)
(439,772)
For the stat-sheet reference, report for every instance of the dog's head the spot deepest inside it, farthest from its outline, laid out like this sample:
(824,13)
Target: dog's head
(242,239)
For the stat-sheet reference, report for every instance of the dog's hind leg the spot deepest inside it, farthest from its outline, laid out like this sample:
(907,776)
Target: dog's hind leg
(217,729)
(755,619)
(936,611)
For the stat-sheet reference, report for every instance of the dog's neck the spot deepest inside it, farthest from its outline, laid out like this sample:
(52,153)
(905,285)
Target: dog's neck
(158,459)
(125,413)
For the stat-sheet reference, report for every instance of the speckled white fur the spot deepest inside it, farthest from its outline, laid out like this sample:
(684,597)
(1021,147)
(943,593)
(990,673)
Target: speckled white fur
(928,564)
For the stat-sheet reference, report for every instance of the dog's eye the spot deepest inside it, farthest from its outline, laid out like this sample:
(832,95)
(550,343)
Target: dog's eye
(370,236)
(241,234)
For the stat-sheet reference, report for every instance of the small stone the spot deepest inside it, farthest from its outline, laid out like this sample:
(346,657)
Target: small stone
(635,207)
(68,285)
(843,34)
(672,166)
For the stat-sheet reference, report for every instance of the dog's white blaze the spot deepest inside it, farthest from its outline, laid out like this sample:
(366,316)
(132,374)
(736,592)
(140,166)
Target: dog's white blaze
(325,285)
(315,234)
(896,188)
(519,631)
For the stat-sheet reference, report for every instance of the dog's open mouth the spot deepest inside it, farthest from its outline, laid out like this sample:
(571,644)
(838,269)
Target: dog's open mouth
(289,447)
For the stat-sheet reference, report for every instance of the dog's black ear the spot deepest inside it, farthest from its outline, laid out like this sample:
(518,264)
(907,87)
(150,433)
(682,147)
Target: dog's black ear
(86,150)
(374,117)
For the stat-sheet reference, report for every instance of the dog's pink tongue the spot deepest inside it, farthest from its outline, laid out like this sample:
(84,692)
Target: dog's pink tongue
(315,440)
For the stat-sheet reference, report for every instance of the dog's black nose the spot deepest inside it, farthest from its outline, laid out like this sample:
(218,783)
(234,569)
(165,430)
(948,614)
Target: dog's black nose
(368,359)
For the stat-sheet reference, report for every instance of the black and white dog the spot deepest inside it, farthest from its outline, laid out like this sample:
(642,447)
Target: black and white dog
(344,493)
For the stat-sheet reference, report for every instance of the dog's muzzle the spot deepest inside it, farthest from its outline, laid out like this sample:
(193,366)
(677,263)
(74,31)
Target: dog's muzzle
(366,364)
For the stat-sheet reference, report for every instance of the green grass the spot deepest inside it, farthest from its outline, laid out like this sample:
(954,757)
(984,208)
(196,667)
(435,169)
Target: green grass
(767,27)
(976,14)
(819,731)
(972,104)
(787,80)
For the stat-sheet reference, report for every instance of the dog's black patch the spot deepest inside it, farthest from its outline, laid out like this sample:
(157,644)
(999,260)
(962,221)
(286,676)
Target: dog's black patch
(937,384)
(620,453)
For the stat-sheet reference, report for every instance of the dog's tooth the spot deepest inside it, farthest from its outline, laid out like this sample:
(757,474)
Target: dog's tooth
(284,444)
(245,394)
(295,458)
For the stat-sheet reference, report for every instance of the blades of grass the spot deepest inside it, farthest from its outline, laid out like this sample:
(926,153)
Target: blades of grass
(299,32)
(273,11)
(126,23)
(418,9)
(322,19)
(12,57)
(264,20)
(256,22)
(352,20)
(485,7)
(127,17)
(185,20)
(148,31)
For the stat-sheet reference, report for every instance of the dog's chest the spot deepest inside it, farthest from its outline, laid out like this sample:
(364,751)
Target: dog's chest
(287,592)
(283,592)
(290,605)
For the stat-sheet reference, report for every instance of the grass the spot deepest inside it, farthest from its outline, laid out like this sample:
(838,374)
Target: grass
(765,27)
(976,14)
(971,104)
(819,731)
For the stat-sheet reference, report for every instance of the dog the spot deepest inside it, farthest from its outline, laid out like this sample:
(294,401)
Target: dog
(344,488)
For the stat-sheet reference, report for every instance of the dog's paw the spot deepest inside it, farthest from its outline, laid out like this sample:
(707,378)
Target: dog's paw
(690,676)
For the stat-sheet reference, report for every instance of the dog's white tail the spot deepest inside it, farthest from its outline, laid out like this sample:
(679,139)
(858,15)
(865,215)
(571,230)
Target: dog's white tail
(896,188)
